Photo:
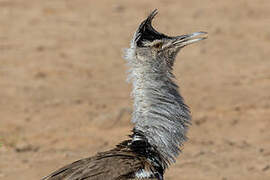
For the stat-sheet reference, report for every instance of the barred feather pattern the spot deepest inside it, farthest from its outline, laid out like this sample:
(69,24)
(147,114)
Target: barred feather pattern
(159,110)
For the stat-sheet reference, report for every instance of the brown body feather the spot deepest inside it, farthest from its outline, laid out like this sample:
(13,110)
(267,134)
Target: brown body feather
(120,163)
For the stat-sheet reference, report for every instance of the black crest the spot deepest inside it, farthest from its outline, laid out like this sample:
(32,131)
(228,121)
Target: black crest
(146,32)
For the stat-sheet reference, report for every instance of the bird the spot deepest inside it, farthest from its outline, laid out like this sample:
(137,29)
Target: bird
(160,116)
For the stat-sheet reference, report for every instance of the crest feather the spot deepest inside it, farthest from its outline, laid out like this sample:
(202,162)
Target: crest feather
(146,32)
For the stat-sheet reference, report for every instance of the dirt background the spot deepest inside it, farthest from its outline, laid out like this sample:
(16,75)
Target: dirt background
(64,96)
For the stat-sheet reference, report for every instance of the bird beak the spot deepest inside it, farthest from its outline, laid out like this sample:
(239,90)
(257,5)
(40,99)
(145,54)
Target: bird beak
(183,40)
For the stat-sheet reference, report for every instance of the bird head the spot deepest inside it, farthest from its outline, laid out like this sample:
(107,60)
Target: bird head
(152,46)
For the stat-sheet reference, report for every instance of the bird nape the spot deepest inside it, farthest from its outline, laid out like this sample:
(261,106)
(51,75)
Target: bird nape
(160,116)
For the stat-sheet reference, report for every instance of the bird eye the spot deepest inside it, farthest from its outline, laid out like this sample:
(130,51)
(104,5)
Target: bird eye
(158,45)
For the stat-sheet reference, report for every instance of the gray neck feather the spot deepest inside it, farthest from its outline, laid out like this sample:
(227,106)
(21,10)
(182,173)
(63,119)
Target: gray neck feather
(159,110)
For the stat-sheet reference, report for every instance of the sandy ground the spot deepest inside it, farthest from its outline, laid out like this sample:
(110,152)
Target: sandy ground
(64,96)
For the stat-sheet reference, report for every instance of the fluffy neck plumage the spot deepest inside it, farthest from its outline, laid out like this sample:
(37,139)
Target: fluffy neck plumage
(160,113)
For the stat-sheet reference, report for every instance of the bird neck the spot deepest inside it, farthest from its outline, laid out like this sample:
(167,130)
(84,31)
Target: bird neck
(160,114)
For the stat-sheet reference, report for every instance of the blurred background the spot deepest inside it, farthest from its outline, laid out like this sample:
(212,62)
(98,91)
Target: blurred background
(64,96)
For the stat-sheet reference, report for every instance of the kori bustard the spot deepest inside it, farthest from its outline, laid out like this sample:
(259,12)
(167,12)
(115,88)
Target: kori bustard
(160,116)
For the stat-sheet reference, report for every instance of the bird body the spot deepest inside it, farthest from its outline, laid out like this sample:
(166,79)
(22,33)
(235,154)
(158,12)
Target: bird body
(160,116)
(125,161)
